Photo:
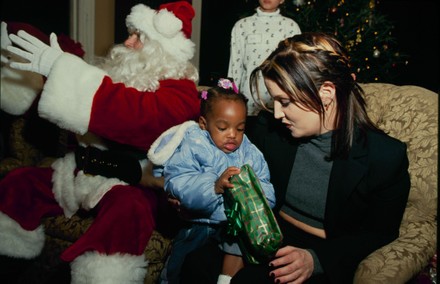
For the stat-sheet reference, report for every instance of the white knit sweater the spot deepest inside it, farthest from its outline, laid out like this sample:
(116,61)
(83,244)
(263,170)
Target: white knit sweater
(252,40)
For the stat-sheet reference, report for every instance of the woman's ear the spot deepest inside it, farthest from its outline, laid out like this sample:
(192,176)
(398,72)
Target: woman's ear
(202,122)
(327,92)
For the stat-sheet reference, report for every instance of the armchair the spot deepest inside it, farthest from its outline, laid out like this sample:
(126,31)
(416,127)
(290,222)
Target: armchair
(410,114)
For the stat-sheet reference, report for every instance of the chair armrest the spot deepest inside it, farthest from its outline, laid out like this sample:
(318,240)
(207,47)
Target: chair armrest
(402,259)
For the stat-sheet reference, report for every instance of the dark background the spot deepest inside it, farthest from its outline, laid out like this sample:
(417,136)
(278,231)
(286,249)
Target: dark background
(416,28)
(48,15)
(417,32)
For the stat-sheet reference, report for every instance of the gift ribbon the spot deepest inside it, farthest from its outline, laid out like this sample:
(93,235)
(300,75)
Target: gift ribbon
(235,225)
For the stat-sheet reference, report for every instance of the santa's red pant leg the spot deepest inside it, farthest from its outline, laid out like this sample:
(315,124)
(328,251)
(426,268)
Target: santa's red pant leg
(113,247)
(110,250)
(124,223)
(25,197)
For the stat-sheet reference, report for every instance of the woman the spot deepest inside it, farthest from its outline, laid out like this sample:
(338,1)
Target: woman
(341,183)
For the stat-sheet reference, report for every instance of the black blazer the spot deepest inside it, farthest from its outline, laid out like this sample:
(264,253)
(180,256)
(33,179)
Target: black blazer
(367,193)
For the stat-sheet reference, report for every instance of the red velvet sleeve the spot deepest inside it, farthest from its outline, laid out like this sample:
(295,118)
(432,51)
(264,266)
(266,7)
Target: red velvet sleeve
(128,116)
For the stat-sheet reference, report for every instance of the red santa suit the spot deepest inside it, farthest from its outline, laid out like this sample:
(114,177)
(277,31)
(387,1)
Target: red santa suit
(83,98)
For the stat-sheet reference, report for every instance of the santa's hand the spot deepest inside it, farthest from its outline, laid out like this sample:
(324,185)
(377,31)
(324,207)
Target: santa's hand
(41,57)
(5,42)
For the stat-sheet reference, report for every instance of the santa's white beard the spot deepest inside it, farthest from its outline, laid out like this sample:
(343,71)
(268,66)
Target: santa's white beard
(144,68)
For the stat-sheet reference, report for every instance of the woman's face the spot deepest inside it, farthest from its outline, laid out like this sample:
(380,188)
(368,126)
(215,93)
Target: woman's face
(270,5)
(300,122)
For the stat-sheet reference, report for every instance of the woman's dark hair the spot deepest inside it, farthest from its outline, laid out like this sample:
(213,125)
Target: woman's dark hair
(300,65)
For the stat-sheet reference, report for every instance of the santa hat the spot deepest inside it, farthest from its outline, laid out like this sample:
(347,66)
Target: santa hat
(170,26)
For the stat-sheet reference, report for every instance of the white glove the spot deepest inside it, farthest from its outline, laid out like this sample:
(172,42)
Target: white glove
(41,57)
(5,42)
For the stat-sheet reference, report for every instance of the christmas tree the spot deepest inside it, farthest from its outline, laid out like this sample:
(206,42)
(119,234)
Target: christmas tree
(364,32)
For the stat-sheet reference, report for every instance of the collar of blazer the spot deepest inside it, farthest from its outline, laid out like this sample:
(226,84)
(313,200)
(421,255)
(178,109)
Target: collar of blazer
(346,176)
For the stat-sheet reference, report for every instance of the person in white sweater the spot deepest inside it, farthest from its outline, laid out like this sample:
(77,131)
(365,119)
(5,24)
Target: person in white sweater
(252,39)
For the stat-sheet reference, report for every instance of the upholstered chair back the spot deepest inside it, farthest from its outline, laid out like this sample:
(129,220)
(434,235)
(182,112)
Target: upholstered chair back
(410,114)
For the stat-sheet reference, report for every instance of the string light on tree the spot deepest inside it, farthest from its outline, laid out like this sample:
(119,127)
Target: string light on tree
(376,53)
(363,31)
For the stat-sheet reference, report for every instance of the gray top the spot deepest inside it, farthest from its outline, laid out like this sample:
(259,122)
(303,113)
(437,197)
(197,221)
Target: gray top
(308,184)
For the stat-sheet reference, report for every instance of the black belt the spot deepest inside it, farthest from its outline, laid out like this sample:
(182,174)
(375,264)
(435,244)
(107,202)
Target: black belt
(109,163)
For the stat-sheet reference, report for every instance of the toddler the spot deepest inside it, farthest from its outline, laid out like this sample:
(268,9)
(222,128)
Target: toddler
(197,160)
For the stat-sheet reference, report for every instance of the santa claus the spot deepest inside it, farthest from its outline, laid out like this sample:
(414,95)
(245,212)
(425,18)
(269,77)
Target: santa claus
(143,87)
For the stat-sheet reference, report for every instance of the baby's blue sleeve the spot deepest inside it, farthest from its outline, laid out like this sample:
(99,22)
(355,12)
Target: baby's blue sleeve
(190,177)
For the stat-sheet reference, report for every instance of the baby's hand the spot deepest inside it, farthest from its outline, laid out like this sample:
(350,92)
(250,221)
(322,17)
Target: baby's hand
(224,180)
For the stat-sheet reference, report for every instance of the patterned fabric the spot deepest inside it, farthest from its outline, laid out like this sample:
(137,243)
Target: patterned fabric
(252,40)
(21,152)
(250,217)
(410,114)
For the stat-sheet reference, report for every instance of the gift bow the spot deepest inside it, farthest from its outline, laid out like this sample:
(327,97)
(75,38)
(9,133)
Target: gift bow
(235,224)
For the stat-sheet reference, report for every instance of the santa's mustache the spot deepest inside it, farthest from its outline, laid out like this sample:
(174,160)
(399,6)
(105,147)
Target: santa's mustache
(144,68)
(135,68)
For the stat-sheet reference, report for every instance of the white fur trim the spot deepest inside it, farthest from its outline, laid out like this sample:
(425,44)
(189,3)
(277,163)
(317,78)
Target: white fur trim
(166,23)
(18,242)
(92,267)
(18,90)
(69,91)
(161,27)
(93,188)
(159,153)
(63,180)
(73,192)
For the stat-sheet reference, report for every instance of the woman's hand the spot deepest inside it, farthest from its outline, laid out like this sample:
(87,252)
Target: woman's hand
(223,181)
(292,265)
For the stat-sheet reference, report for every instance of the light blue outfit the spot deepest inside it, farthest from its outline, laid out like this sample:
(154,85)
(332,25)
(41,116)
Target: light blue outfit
(192,163)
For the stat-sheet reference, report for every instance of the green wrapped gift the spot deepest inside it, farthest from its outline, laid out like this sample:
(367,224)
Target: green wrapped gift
(250,217)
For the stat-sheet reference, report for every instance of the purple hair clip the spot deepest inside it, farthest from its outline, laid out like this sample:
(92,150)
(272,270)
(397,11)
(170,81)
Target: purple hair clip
(227,84)
(204,95)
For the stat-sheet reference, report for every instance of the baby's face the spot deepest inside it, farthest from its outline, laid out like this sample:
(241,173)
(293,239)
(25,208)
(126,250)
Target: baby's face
(226,124)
